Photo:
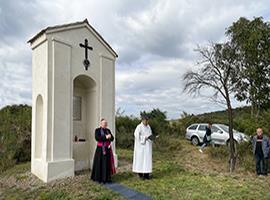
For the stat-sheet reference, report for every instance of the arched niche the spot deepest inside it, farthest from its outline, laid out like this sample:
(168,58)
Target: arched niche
(84,119)
(39,127)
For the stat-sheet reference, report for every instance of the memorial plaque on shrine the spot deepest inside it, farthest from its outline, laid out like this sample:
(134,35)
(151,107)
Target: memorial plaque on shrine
(77,108)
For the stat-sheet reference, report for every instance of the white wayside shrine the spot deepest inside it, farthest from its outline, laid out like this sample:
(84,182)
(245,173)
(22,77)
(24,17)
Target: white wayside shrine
(73,71)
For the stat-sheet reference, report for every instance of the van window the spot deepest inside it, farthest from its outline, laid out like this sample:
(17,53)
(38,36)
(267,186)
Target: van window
(193,127)
(202,127)
(215,129)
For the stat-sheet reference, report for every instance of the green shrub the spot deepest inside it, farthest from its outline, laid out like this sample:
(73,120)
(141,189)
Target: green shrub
(158,122)
(167,143)
(245,158)
(15,135)
(219,152)
(125,127)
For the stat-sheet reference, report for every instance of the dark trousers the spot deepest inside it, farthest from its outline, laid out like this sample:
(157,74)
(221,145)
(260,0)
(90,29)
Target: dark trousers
(261,164)
(146,175)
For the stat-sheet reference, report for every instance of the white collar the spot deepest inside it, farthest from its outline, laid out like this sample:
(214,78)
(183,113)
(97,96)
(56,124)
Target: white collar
(144,125)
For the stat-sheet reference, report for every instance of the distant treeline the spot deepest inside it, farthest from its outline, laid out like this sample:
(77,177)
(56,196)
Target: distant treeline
(15,129)
(243,122)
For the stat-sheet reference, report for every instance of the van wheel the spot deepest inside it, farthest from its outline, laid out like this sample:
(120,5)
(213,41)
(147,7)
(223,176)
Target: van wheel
(195,140)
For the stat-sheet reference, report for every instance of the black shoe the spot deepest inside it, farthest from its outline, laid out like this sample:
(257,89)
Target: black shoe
(109,181)
(141,176)
(146,176)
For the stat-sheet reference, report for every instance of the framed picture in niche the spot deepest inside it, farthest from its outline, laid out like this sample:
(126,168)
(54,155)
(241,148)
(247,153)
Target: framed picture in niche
(77,108)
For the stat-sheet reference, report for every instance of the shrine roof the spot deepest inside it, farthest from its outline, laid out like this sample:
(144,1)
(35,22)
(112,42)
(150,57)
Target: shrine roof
(50,28)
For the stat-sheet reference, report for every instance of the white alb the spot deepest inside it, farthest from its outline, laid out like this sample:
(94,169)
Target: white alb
(142,158)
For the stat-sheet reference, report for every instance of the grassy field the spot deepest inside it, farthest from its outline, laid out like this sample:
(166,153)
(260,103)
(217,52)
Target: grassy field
(19,183)
(181,174)
(188,174)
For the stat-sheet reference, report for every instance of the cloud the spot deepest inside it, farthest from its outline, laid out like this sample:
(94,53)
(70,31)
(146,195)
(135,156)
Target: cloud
(159,84)
(154,40)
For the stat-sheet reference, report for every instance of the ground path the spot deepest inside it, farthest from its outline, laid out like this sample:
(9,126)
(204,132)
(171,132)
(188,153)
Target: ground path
(127,192)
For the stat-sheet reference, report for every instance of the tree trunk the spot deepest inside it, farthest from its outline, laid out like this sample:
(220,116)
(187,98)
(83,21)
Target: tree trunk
(252,109)
(258,110)
(232,160)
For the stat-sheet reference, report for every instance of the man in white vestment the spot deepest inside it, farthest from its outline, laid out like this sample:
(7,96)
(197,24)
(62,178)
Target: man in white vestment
(142,158)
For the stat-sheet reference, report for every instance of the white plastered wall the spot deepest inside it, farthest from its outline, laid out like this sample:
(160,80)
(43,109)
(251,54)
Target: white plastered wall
(57,61)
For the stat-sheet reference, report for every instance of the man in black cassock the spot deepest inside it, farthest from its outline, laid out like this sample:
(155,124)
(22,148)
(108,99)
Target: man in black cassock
(103,165)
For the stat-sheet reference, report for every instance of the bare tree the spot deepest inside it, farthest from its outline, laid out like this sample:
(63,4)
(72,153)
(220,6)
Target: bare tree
(217,70)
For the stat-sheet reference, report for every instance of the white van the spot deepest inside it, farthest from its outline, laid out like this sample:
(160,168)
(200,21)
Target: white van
(220,134)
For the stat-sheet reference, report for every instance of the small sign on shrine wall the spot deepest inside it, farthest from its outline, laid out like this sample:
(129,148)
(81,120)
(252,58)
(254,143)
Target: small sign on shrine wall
(77,108)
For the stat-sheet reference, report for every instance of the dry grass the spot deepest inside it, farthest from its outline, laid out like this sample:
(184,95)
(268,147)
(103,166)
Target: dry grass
(183,173)
(188,174)
(19,183)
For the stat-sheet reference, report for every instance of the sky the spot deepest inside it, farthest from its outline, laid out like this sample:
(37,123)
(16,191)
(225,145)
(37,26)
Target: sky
(155,41)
